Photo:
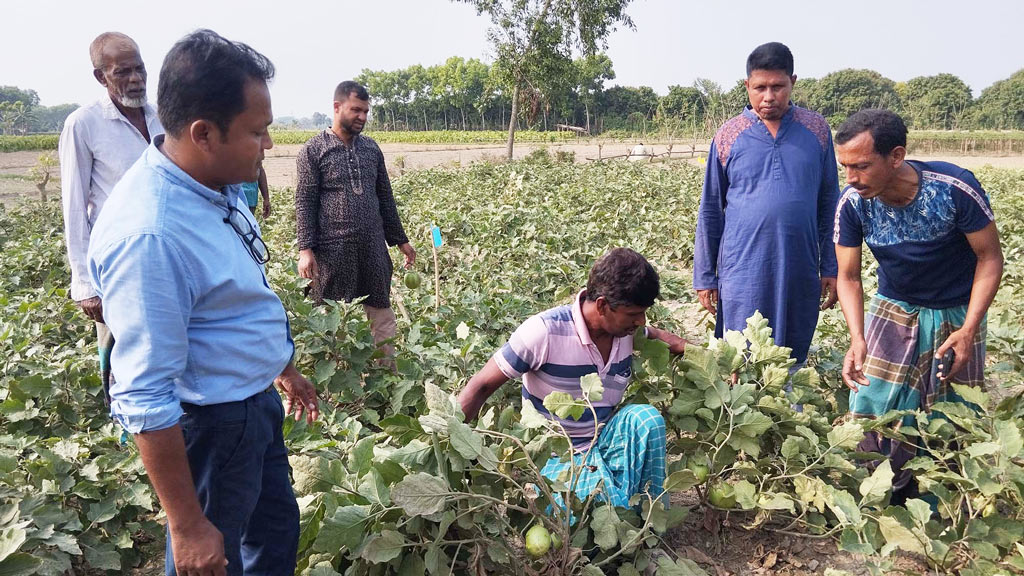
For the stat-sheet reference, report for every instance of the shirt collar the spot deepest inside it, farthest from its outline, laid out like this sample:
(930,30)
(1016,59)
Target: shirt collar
(577,319)
(110,111)
(748,111)
(157,159)
(355,139)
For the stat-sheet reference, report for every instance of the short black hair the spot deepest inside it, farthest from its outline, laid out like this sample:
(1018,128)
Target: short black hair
(886,127)
(342,92)
(203,78)
(770,56)
(624,278)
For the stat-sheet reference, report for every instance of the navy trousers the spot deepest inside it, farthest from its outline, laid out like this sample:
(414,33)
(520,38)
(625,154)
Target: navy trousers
(240,468)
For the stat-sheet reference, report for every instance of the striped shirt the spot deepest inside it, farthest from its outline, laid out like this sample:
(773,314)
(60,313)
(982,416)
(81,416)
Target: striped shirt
(551,351)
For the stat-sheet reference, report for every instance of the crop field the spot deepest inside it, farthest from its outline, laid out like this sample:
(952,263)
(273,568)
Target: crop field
(392,480)
(50,141)
(928,142)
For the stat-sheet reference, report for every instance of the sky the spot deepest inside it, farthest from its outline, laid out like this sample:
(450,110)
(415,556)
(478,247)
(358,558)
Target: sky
(316,44)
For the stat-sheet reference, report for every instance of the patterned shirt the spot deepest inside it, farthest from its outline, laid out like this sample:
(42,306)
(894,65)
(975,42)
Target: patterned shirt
(764,224)
(552,350)
(344,194)
(922,251)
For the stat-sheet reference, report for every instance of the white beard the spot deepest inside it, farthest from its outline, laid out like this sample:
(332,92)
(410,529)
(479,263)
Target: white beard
(129,102)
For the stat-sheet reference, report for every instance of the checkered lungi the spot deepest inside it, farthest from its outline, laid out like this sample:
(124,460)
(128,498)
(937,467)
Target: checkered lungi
(901,368)
(628,458)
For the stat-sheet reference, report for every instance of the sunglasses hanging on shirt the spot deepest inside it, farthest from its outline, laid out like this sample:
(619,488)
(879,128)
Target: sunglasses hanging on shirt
(257,248)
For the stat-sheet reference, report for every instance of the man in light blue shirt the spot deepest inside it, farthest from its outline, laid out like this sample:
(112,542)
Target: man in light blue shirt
(200,335)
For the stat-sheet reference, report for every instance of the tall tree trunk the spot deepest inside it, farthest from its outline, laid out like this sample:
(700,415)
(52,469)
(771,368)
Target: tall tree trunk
(512,120)
(587,109)
(463,111)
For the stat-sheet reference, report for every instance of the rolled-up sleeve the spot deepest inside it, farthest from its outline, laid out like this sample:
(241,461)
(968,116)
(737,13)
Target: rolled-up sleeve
(75,180)
(147,300)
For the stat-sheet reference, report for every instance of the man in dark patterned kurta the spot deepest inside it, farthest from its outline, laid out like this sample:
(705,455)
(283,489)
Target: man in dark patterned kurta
(346,215)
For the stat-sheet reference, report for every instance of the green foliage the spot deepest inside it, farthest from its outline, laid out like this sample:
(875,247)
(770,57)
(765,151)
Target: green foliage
(935,102)
(21,113)
(393,480)
(533,41)
(429,137)
(71,493)
(1001,105)
(839,94)
(28,143)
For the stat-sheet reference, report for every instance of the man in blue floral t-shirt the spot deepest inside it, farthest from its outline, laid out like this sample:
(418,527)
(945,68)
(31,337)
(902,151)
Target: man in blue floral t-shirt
(932,231)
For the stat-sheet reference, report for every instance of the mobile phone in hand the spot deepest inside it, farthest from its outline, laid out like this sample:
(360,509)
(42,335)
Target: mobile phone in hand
(946,364)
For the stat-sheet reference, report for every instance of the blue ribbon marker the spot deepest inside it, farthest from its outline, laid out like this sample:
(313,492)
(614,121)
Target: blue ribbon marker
(435,232)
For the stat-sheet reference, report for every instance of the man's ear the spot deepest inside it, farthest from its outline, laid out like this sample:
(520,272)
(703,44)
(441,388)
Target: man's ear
(897,156)
(99,76)
(602,305)
(201,133)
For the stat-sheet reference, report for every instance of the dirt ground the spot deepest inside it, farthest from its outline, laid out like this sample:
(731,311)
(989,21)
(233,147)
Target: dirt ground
(280,160)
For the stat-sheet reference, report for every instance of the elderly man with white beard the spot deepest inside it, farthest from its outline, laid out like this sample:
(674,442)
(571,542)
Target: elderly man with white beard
(99,143)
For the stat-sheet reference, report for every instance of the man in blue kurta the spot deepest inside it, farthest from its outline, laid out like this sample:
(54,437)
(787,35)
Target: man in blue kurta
(763,230)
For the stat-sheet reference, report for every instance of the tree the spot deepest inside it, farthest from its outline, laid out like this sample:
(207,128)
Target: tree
(16,109)
(1001,105)
(531,36)
(841,93)
(937,102)
(627,106)
(714,103)
(321,120)
(15,117)
(14,94)
(591,72)
(51,118)
(736,99)
(805,93)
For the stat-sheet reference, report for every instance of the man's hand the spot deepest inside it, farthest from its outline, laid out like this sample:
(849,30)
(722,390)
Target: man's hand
(853,365)
(299,394)
(266,208)
(410,254)
(92,307)
(676,344)
(829,296)
(199,549)
(307,265)
(709,300)
(962,343)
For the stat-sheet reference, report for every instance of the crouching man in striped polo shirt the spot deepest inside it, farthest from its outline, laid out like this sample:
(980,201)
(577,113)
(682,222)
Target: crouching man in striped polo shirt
(552,350)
